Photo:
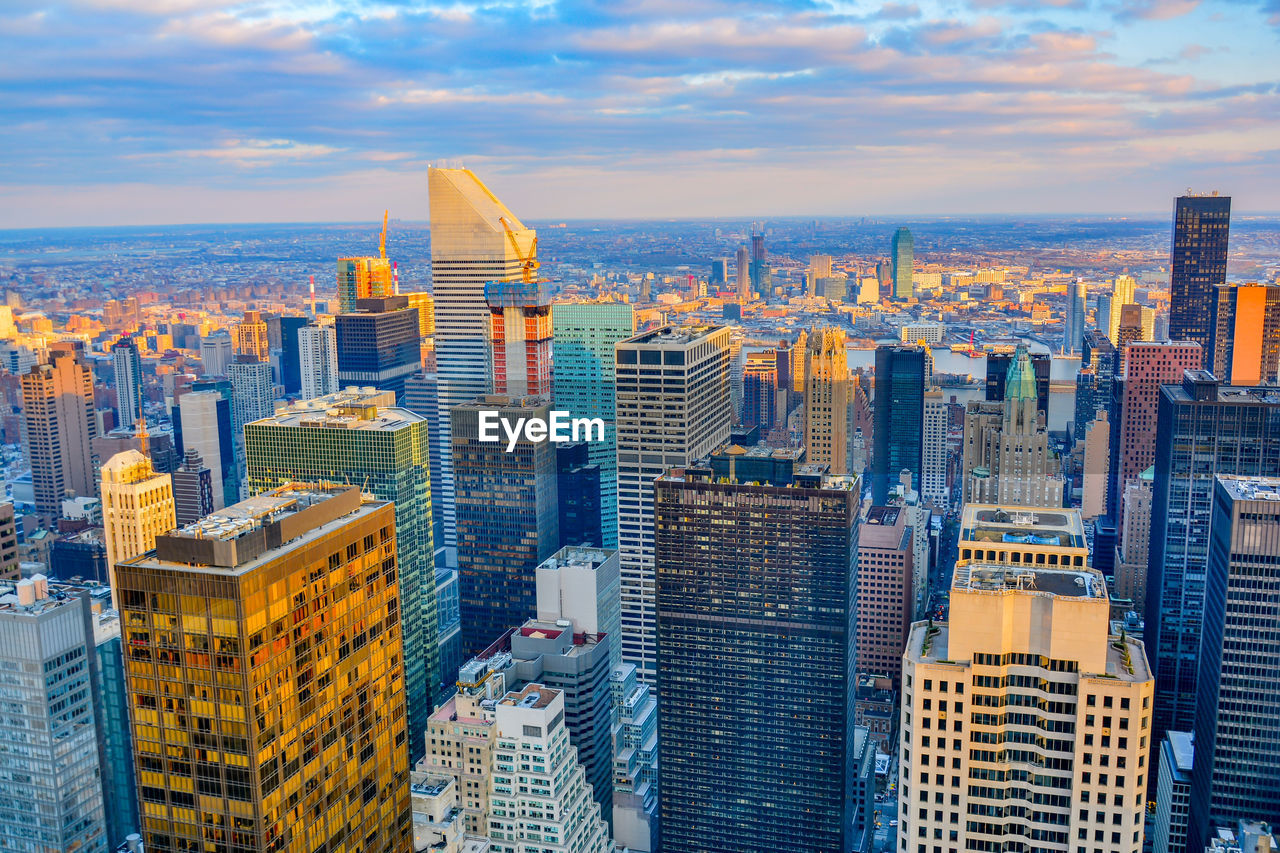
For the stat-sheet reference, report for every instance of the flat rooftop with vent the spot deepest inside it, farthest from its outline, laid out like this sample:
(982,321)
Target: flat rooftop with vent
(351,408)
(1038,536)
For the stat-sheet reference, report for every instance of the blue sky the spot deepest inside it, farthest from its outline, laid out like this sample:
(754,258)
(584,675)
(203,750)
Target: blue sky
(125,111)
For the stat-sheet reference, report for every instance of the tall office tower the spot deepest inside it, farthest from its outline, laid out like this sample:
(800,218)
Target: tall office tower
(1122,294)
(426,305)
(760,390)
(1148,365)
(128,369)
(475,239)
(1134,547)
(357,438)
(137,506)
(1039,536)
(251,394)
(9,568)
(899,417)
(291,360)
(508,516)
(1105,309)
(1204,428)
(583,585)
(250,337)
(578,488)
(1087,400)
(421,397)
(732,705)
(192,489)
(998,365)
(820,266)
(1237,738)
(1173,793)
(111,708)
(1197,263)
(719,272)
(1066,771)
(743,271)
(799,363)
(937,453)
(1010,463)
(203,424)
(57,404)
(583,383)
(519,337)
(1074,327)
(318,354)
(1129,330)
(903,251)
(378,344)
(50,763)
(759,264)
(289,601)
(1246,342)
(635,750)
(1096,481)
(363,278)
(216,352)
(886,600)
(826,400)
(661,426)
(1099,353)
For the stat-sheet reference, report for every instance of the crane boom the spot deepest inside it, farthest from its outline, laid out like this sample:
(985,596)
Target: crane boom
(382,241)
(528,263)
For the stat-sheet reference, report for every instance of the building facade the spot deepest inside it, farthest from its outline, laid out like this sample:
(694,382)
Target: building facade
(378,344)
(318,356)
(826,400)
(57,403)
(519,337)
(886,600)
(1197,264)
(903,251)
(137,506)
(1246,339)
(899,417)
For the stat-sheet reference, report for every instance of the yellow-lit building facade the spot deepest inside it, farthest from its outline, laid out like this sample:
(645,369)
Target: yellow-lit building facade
(137,506)
(826,400)
(362,278)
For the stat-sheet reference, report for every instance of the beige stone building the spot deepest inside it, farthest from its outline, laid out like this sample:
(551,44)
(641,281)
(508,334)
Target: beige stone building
(137,506)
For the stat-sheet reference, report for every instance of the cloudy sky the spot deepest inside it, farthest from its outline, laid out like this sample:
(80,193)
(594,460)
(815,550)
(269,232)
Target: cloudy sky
(161,111)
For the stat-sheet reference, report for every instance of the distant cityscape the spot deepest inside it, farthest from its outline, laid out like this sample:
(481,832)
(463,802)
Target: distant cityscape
(917,535)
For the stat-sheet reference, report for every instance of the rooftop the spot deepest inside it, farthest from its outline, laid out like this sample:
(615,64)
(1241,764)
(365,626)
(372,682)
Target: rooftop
(576,555)
(1062,583)
(1182,747)
(530,696)
(1251,488)
(354,408)
(1028,525)
(672,336)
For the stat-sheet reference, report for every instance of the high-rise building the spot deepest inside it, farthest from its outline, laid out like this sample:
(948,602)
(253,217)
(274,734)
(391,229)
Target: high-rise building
(1027,536)
(475,239)
(661,425)
(981,760)
(886,600)
(1122,294)
(1096,478)
(9,568)
(1074,325)
(192,489)
(363,278)
(508,516)
(519,337)
(422,398)
(360,439)
(289,600)
(1204,428)
(1134,548)
(137,506)
(760,390)
(250,337)
(128,369)
(216,352)
(378,344)
(826,400)
(1173,793)
(1197,263)
(1237,737)
(202,423)
(583,384)
(251,394)
(742,267)
(719,272)
(903,254)
(635,763)
(578,489)
(998,364)
(51,761)
(318,354)
(734,706)
(1087,401)
(759,264)
(1246,345)
(291,357)
(1147,366)
(57,403)
(899,417)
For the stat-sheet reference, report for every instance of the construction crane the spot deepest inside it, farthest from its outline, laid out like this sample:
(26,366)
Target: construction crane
(529,263)
(382,241)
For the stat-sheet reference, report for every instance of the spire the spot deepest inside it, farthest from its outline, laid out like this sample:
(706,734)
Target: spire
(1020,384)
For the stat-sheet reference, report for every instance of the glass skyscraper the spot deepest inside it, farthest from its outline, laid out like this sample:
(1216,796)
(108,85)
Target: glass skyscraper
(585,334)
(1197,263)
(903,264)
(756,598)
(1203,428)
(899,417)
(359,439)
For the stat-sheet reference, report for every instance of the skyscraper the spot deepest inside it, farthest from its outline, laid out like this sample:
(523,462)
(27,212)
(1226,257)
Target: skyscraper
(357,438)
(1122,294)
(519,337)
(743,272)
(57,402)
(661,426)
(937,451)
(1073,328)
(508,517)
(378,344)
(998,364)
(192,488)
(759,264)
(363,278)
(899,417)
(760,390)
(826,400)
(903,251)
(50,762)
(289,600)
(886,600)
(318,356)
(475,239)
(1197,263)
(1204,428)
(734,705)
(1237,738)
(251,394)
(137,506)
(216,352)
(1246,344)
(719,272)
(203,424)
(1065,770)
(128,370)
(250,337)
(291,360)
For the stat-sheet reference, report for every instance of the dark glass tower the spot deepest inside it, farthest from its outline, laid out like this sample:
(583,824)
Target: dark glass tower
(756,662)
(998,364)
(903,246)
(1197,262)
(899,418)
(290,355)
(1235,773)
(380,345)
(1203,428)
